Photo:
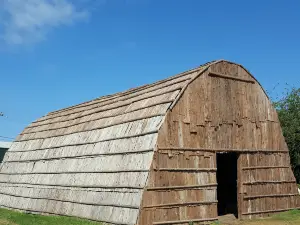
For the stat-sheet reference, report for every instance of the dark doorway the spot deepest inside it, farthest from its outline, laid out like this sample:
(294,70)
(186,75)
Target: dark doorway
(227,183)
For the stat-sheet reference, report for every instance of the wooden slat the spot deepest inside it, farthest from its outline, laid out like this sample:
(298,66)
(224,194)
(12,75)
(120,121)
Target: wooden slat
(264,167)
(131,91)
(76,202)
(269,182)
(214,74)
(76,186)
(82,156)
(104,117)
(93,142)
(269,211)
(78,172)
(222,150)
(184,221)
(113,107)
(202,186)
(179,204)
(270,196)
(187,169)
(97,128)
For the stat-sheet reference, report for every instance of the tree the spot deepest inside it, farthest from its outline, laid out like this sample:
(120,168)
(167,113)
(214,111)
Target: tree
(288,110)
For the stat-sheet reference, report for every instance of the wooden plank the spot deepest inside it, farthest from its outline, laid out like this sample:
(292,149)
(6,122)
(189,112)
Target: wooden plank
(76,202)
(93,142)
(187,169)
(103,117)
(76,186)
(179,204)
(269,182)
(82,156)
(185,221)
(264,167)
(215,74)
(222,150)
(75,172)
(270,196)
(204,186)
(98,128)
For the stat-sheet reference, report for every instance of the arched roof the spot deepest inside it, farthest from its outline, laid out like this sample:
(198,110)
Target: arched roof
(91,160)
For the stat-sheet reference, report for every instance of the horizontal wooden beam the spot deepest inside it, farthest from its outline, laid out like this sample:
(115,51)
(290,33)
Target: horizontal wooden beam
(187,169)
(269,211)
(269,182)
(179,204)
(76,186)
(270,196)
(78,172)
(264,167)
(184,221)
(204,186)
(83,156)
(221,150)
(220,75)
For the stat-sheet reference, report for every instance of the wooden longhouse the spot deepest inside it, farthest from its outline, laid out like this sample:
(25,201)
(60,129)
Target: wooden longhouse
(197,145)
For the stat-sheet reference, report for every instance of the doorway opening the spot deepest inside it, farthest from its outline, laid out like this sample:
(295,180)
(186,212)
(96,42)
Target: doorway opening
(227,183)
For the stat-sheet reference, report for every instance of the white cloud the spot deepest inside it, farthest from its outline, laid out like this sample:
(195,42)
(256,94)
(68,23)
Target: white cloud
(29,21)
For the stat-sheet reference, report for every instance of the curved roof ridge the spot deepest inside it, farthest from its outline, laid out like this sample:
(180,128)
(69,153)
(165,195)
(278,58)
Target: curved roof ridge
(118,94)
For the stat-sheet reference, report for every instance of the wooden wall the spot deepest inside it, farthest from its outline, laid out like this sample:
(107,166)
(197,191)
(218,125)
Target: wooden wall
(223,110)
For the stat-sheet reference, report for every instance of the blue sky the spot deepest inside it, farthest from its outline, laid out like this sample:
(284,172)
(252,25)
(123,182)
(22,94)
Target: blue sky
(56,53)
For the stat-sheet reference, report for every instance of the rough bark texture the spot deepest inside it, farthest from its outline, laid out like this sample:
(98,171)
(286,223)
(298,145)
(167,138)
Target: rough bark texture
(223,110)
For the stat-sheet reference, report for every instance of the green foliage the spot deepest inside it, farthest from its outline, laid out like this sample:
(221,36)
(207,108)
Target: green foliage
(289,115)
(9,217)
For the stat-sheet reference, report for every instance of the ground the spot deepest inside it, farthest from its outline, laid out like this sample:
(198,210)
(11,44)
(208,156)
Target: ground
(287,218)
(8,217)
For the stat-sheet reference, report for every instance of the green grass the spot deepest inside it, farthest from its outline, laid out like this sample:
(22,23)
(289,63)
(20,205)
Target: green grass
(286,218)
(9,217)
(291,215)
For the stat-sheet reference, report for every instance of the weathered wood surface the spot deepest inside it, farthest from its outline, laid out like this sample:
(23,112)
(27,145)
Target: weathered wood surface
(91,160)
(223,110)
(148,155)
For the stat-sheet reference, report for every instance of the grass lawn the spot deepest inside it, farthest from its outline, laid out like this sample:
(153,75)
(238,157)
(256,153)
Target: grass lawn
(286,218)
(8,217)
